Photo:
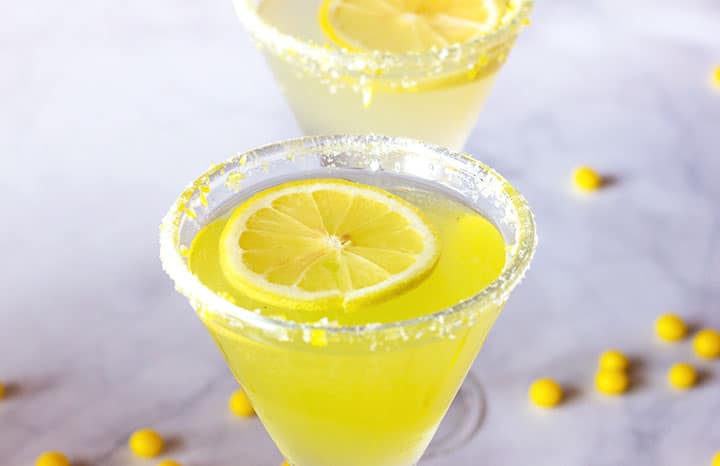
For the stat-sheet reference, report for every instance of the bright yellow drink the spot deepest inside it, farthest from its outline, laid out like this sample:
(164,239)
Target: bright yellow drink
(472,256)
(365,386)
(320,402)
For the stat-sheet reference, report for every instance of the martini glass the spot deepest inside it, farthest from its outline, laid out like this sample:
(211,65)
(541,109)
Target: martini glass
(434,95)
(317,387)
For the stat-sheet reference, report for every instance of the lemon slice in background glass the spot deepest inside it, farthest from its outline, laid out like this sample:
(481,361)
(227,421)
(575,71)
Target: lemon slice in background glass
(400,26)
(319,244)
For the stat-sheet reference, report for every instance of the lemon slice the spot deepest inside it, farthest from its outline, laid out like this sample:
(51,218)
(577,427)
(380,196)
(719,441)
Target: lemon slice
(316,244)
(400,26)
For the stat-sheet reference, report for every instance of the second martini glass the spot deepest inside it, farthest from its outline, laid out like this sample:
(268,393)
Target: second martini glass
(433,95)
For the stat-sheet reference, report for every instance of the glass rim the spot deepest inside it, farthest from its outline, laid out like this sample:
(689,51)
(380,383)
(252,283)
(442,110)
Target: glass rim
(369,62)
(173,258)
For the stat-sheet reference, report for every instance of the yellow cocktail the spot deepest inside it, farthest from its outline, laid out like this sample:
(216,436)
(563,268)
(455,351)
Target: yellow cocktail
(363,384)
(418,69)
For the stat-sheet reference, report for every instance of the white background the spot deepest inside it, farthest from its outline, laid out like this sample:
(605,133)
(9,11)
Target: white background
(108,108)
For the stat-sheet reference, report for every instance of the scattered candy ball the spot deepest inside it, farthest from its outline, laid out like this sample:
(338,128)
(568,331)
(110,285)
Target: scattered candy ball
(682,376)
(2,391)
(146,443)
(707,343)
(52,458)
(670,327)
(285,463)
(240,405)
(613,360)
(716,459)
(610,382)
(587,179)
(168,463)
(715,80)
(546,393)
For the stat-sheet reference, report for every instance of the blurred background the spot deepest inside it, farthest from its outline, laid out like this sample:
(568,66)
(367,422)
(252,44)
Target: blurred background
(108,109)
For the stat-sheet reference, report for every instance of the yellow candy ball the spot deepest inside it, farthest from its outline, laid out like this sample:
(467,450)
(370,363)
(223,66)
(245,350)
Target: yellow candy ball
(52,458)
(240,405)
(545,393)
(682,376)
(285,463)
(670,327)
(587,179)
(707,343)
(613,360)
(611,382)
(715,80)
(168,463)
(2,391)
(716,459)
(146,443)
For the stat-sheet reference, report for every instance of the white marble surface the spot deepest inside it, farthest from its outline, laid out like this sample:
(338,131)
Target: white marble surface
(107,109)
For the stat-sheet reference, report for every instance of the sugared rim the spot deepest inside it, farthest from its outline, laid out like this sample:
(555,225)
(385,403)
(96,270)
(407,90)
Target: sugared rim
(519,256)
(370,62)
